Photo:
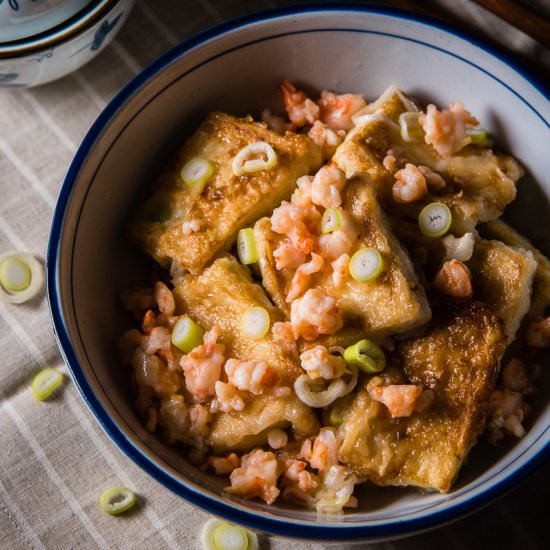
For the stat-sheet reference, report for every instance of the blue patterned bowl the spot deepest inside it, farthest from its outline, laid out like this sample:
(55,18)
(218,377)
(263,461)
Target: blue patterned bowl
(62,49)
(25,18)
(236,67)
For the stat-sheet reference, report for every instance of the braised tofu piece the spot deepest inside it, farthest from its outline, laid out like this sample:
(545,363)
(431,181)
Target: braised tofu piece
(393,303)
(220,295)
(457,358)
(540,297)
(502,277)
(178,223)
(478,183)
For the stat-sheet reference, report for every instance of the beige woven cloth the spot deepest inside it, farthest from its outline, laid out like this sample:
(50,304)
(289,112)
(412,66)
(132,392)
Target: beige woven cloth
(54,458)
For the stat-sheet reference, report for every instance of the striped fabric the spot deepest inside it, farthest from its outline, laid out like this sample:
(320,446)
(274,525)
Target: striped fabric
(54,458)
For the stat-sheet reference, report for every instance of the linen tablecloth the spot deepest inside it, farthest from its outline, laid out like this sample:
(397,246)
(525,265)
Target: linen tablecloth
(54,458)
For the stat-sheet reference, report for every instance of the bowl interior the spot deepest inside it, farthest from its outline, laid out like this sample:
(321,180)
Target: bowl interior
(238,72)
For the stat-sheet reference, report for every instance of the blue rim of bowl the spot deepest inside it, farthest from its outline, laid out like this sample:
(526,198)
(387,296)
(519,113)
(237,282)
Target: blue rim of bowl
(289,528)
(85,18)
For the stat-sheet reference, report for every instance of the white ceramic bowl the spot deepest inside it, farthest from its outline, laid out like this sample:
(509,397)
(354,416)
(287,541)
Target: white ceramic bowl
(51,54)
(24,18)
(236,67)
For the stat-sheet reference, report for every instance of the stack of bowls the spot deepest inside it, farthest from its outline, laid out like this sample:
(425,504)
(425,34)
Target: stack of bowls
(41,40)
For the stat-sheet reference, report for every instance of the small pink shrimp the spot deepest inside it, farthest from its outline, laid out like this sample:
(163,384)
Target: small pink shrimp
(302,276)
(137,299)
(158,339)
(165,299)
(326,138)
(274,122)
(389,162)
(223,465)
(300,109)
(228,397)
(325,450)
(302,195)
(151,371)
(454,279)
(277,438)
(506,412)
(327,184)
(287,256)
(319,363)
(295,472)
(253,376)
(337,110)
(446,130)
(199,418)
(149,321)
(334,245)
(313,314)
(282,333)
(410,185)
(400,399)
(202,366)
(257,476)
(296,222)
(305,450)
(340,271)
(537,334)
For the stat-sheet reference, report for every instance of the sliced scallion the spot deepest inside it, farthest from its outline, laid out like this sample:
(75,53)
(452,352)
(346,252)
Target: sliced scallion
(255,322)
(45,383)
(366,356)
(410,127)
(186,334)
(196,172)
(479,136)
(21,277)
(116,500)
(435,219)
(366,265)
(246,246)
(220,535)
(253,158)
(332,220)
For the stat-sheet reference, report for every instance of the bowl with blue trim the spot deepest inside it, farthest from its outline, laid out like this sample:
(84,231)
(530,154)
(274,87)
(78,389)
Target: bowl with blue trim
(236,67)
(38,45)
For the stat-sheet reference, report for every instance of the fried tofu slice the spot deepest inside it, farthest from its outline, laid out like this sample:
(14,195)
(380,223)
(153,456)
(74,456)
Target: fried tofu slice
(394,303)
(458,358)
(502,277)
(480,183)
(191,227)
(219,296)
(540,297)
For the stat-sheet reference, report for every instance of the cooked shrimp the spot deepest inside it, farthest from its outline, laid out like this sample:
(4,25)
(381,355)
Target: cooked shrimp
(300,109)
(137,300)
(400,399)
(302,195)
(326,138)
(228,397)
(337,109)
(389,163)
(199,418)
(325,450)
(537,334)
(446,130)
(158,339)
(326,187)
(340,270)
(151,371)
(295,472)
(277,438)
(174,418)
(282,333)
(336,491)
(318,362)
(149,321)
(313,314)
(454,279)
(202,366)
(274,122)
(336,244)
(223,465)
(257,476)
(514,376)
(298,223)
(165,299)
(288,256)
(506,412)
(410,185)
(302,277)
(253,376)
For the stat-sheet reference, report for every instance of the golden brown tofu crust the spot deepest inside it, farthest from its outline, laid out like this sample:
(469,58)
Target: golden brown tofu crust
(219,296)
(394,303)
(540,298)
(228,202)
(502,277)
(458,359)
(480,183)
